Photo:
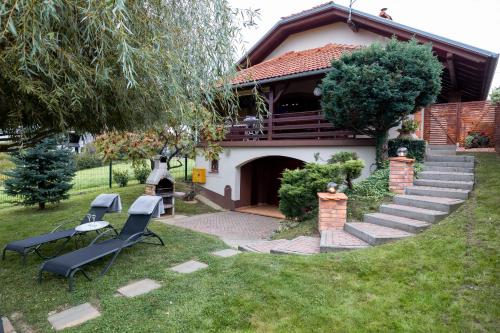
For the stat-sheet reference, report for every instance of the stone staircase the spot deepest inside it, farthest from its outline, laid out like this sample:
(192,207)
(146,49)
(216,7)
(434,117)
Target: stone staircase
(440,188)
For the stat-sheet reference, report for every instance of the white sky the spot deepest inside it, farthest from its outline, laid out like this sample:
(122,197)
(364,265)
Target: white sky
(475,22)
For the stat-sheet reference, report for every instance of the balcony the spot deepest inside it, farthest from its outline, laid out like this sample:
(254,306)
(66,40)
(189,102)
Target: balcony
(290,129)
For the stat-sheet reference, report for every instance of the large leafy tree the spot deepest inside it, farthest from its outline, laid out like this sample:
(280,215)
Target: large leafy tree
(112,65)
(42,174)
(373,89)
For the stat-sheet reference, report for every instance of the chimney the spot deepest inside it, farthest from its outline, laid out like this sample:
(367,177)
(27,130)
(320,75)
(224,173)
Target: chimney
(383,14)
(156,160)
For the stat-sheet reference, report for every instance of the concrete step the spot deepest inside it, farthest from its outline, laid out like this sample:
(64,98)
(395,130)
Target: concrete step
(396,222)
(375,234)
(444,184)
(302,245)
(442,152)
(438,192)
(338,240)
(450,164)
(453,176)
(447,169)
(446,158)
(427,215)
(446,205)
(442,147)
(263,246)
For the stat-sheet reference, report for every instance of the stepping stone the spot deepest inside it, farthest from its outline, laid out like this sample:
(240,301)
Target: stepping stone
(7,326)
(73,316)
(263,246)
(302,245)
(189,267)
(138,288)
(226,253)
(338,240)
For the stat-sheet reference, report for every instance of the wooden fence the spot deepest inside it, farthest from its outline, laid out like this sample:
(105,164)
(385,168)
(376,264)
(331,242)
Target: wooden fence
(450,123)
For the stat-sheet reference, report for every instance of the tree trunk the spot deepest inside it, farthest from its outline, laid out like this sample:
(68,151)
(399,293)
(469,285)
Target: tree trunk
(41,205)
(381,149)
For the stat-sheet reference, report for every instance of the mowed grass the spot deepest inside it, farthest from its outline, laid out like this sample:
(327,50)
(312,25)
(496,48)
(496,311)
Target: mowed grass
(443,280)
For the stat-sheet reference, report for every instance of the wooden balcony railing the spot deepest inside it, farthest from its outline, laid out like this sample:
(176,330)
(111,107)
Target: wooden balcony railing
(310,125)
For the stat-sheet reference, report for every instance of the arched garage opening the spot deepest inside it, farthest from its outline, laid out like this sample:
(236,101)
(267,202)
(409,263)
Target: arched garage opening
(260,182)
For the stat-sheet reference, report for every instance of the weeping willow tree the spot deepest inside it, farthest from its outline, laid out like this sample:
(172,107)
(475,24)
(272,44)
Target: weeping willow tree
(95,66)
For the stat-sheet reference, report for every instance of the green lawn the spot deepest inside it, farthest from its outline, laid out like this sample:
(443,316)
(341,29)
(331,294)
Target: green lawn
(444,280)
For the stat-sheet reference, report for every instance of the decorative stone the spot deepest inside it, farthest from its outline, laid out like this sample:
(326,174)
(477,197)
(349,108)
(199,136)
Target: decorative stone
(138,288)
(73,316)
(400,174)
(226,253)
(7,326)
(189,267)
(332,211)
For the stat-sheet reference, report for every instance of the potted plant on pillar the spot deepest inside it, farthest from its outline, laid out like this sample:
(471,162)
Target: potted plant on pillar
(408,128)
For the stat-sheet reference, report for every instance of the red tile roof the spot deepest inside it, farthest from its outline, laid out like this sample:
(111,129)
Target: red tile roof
(293,62)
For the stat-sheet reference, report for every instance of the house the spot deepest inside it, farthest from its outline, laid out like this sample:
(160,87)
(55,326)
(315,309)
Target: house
(287,64)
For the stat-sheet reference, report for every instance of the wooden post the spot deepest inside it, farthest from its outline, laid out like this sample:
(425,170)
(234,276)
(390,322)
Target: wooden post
(271,114)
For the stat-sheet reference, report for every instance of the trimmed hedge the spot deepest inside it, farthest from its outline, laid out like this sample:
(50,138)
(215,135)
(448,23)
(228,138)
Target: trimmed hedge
(416,148)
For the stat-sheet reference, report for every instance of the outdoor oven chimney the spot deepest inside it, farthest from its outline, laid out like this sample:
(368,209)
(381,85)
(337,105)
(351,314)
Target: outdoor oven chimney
(156,160)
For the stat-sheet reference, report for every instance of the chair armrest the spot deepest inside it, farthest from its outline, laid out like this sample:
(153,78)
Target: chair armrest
(62,224)
(100,235)
(126,242)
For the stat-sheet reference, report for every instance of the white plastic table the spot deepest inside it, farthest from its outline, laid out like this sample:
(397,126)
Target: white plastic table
(92,226)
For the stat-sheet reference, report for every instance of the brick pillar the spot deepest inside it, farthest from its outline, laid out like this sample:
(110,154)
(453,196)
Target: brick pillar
(150,190)
(400,174)
(332,210)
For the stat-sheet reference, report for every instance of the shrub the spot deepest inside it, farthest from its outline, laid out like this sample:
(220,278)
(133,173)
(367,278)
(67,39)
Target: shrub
(299,188)
(342,157)
(41,175)
(495,96)
(121,177)
(416,148)
(477,140)
(409,125)
(141,173)
(87,160)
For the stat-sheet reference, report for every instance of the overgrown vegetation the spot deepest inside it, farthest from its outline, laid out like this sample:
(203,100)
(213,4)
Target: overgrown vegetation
(121,177)
(416,148)
(477,140)
(42,174)
(373,89)
(299,188)
(121,65)
(141,173)
(87,160)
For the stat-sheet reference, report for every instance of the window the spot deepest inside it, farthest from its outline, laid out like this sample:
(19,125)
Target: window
(214,166)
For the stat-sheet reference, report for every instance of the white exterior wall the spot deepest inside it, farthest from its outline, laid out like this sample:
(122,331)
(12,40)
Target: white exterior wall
(233,158)
(338,33)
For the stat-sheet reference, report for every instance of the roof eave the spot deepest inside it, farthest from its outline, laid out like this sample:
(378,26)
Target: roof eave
(282,78)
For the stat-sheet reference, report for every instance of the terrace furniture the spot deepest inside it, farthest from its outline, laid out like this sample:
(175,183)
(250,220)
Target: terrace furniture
(135,230)
(102,204)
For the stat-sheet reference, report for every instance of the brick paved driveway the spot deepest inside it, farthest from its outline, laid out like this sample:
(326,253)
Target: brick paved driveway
(232,227)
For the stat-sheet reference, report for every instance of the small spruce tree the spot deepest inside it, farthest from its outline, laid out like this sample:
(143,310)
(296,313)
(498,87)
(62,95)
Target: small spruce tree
(42,174)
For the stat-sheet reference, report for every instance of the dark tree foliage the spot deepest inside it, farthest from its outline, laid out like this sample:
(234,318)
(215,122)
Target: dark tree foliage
(373,89)
(42,174)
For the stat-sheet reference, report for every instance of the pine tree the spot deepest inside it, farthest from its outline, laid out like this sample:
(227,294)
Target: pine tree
(42,174)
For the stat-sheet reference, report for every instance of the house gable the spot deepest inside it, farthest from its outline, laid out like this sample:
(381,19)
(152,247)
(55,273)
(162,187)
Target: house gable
(335,33)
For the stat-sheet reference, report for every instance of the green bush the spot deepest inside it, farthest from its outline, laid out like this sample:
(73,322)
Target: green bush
(141,173)
(121,177)
(87,160)
(477,140)
(416,148)
(299,188)
(342,157)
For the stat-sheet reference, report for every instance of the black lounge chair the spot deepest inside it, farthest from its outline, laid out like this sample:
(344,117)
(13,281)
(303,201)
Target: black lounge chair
(135,230)
(102,204)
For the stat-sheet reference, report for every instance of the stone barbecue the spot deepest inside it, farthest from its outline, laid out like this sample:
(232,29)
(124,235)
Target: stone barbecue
(160,182)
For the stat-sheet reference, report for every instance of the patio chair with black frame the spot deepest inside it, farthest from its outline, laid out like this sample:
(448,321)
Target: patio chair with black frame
(102,204)
(134,231)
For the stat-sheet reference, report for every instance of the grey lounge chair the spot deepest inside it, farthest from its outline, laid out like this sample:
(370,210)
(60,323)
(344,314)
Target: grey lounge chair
(135,230)
(102,204)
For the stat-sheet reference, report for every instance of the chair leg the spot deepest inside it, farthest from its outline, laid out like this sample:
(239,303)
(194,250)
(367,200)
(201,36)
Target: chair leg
(3,252)
(40,275)
(111,262)
(71,280)
(152,234)
(59,250)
